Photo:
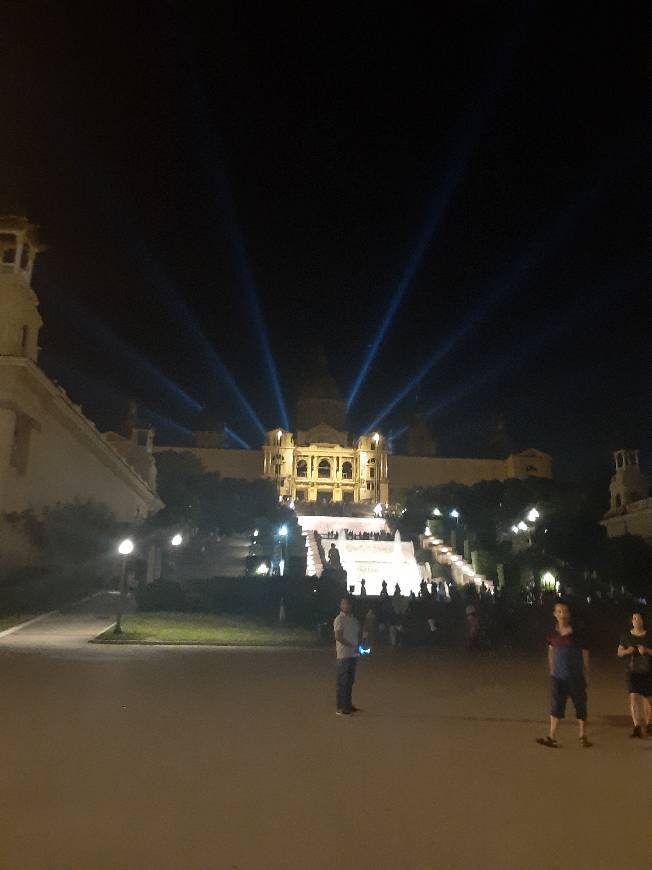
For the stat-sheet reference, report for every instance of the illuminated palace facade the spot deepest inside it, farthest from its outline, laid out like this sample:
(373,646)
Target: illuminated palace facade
(319,463)
(320,466)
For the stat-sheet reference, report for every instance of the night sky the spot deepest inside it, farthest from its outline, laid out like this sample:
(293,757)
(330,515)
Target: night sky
(202,176)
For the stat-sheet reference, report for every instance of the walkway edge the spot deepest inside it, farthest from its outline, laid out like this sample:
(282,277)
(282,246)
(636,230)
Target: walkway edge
(20,625)
(41,616)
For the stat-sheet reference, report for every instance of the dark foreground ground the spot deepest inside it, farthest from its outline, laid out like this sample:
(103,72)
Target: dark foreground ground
(155,758)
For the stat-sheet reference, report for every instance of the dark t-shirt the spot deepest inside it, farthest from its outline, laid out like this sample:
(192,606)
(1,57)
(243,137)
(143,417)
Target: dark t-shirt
(637,663)
(567,661)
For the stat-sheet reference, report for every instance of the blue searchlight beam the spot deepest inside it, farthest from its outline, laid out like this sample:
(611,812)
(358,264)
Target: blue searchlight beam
(516,276)
(235,437)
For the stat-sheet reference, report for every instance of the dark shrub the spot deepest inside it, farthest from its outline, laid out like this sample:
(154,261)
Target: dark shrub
(161,595)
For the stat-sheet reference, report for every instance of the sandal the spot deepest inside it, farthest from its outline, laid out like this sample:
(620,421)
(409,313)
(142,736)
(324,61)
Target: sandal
(585,742)
(548,741)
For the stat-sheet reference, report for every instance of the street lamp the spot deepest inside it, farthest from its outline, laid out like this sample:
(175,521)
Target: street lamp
(436,512)
(176,540)
(516,530)
(125,548)
(532,515)
(522,526)
(283,531)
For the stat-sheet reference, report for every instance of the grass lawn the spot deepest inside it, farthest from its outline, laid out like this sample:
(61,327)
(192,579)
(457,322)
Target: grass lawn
(14,619)
(206,628)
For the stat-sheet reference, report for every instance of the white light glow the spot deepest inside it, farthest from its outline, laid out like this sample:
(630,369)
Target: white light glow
(283,531)
(378,510)
(522,526)
(515,529)
(279,435)
(262,568)
(255,533)
(376,438)
(437,541)
(548,580)
(436,512)
(427,532)
(455,513)
(126,547)
(533,515)
(176,540)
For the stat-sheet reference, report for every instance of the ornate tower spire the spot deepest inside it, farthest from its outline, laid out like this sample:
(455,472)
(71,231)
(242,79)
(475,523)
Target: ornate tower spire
(20,321)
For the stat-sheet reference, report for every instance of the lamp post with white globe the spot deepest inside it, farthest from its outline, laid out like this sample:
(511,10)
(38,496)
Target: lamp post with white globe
(125,549)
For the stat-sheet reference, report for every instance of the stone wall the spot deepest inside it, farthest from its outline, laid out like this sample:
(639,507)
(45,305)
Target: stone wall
(240,464)
(62,458)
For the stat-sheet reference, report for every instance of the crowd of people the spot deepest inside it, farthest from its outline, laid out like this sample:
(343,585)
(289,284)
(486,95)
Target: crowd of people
(568,661)
(357,536)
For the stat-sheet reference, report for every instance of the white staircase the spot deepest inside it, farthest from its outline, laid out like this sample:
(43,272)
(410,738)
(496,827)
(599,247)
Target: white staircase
(314,564)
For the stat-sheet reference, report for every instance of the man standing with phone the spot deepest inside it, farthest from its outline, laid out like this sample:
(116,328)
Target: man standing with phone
(347,640)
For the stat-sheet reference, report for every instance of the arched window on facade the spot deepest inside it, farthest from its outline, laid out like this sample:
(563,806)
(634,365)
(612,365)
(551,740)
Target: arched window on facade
(619,501)
(302,468)
(324,468)
(347,471)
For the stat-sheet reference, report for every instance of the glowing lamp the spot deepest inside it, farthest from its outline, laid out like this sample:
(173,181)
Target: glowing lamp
(255,533)
(522,526)
(283,531)
(455,513)
(436,512)
(533,515)
(176,540)
(376,438)
(126,547)
(427,532)
(516,530)
(262,568)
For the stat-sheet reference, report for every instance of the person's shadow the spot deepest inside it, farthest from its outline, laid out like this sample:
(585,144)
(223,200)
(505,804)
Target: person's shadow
(616,721)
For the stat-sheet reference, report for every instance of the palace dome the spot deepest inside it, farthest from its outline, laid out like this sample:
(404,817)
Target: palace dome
(320,400)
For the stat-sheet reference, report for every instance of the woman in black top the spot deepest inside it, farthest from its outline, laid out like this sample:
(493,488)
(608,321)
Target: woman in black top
(635,647)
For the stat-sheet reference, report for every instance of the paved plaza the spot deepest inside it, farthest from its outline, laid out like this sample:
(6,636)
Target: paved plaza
(157,758)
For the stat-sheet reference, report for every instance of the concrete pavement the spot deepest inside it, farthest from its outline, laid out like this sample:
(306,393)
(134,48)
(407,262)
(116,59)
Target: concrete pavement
(154,758)
(66,630)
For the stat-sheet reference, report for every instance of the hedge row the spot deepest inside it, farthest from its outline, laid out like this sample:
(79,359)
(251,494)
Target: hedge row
(307,600)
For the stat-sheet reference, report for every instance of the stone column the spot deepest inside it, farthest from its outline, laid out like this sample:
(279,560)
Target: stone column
(7,428)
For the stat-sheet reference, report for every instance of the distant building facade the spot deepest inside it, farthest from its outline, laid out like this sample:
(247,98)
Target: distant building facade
(49,451)
(630,509)
(320,464)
